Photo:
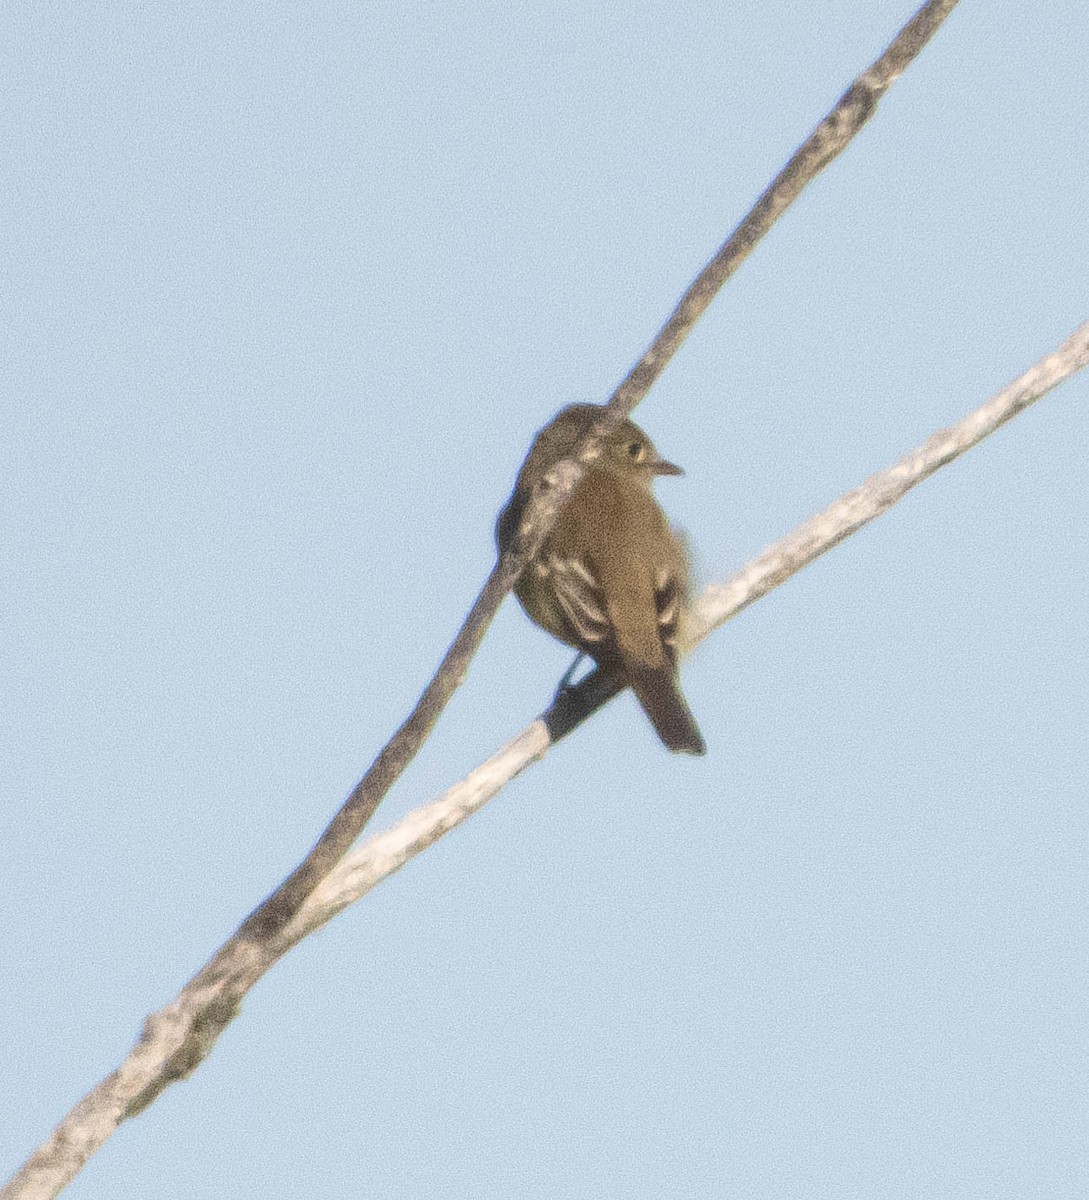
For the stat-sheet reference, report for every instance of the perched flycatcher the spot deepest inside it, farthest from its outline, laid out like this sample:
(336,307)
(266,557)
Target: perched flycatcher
(611,578)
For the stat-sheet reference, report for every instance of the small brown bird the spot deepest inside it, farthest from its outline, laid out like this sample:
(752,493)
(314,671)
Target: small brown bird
(611,578)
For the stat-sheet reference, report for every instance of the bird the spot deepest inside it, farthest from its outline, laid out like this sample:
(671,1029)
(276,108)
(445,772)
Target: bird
(611,577)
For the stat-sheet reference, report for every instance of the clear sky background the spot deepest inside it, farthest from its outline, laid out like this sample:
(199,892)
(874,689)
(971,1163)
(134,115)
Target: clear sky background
(286,291)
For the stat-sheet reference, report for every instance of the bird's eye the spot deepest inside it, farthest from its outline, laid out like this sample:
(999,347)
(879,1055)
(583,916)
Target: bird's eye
(635,451)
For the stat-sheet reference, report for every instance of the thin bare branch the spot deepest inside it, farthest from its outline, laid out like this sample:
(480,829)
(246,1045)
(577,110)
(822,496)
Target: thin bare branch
(178,1037)
(825,143)
(880,492)
(830,138)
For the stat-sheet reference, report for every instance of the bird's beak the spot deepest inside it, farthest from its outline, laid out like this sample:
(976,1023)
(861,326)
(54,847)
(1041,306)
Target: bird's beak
(661,467)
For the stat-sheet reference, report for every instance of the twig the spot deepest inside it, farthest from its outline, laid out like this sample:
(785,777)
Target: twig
(825,143)
(177,1038)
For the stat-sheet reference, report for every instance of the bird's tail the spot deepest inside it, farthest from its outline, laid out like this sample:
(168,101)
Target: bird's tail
(660,696)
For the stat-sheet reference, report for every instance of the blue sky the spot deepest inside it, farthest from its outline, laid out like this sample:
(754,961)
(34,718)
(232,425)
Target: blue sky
(287,293)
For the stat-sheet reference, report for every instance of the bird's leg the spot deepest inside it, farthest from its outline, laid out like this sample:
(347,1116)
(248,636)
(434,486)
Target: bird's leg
(565,683)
